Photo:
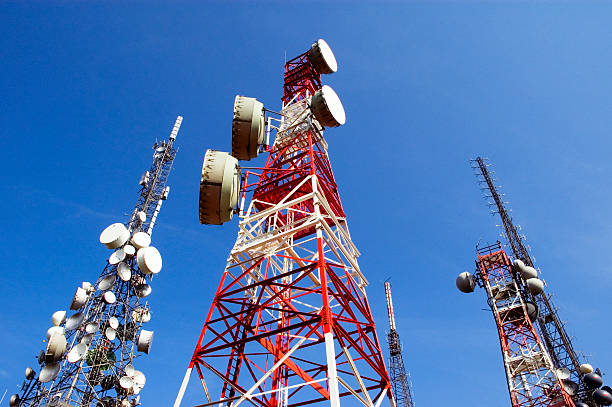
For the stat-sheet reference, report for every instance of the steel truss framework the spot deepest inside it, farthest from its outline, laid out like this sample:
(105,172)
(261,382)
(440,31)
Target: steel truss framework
(529,369)
(551,329)
(397,371)
(94,380)
(290,323)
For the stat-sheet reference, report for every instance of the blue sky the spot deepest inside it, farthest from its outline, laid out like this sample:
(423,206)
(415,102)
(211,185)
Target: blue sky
(86,88)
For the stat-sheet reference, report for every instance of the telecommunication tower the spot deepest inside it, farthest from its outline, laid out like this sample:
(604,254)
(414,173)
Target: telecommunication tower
(397,371)
(90,357)
(532,377)
(290,323)
(579,381)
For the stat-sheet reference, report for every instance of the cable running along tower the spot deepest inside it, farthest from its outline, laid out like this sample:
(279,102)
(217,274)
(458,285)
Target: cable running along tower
(397,371)
(290,323)
(91,356)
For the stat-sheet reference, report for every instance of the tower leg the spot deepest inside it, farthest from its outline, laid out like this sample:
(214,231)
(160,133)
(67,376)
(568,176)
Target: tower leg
(179,396)
(332,374)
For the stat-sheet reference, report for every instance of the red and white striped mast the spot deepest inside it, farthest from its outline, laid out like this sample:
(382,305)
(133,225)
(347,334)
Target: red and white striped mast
(290,323)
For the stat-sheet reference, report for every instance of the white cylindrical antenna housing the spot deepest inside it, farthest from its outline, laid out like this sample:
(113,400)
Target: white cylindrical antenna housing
(390,306)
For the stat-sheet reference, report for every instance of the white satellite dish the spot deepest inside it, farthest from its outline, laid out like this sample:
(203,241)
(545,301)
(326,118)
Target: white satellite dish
(77,353)
(114,236)
(87,339)
(129,370)
(143,290)
(129,250)
(149,260)
(586,368)
(49,372)
(58,318)
(91,328)
(124,272)
(142,216)
(54,330)
(562,373)
(56,347)
(145,339)
(140,240)
(248,127)
(219,187)
(79,299)
(109,297)
(535,286)
(322,57)
(327,107)
(74,321)
(139,380)
(86,285)
(113,322)
(117,256)
(126,383)
(107,282)
(110,333)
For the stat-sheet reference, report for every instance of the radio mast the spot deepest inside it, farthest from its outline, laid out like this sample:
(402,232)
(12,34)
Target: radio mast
(290,323)
(397,371)
(90,358)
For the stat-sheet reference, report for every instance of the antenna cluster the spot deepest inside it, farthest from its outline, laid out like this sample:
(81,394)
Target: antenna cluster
(91,355)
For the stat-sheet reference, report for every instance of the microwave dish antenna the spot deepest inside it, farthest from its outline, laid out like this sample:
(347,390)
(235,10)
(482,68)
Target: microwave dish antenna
(248,127)
(219,187)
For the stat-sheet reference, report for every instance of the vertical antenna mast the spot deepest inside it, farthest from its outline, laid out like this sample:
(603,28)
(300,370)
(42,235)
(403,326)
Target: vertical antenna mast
(397,372)
(90,356)
(553,332)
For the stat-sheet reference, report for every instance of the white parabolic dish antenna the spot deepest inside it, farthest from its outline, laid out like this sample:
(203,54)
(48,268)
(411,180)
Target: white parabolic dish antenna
(149,260)
(219,187)
(124,272)
(145,339)
(49,372)
(58,318)
(248,127)
(114,236)
(77,353)
(79,299)
(117,256)
(140,240)
(322,57)
(327,107)
(107,282)
(74,321)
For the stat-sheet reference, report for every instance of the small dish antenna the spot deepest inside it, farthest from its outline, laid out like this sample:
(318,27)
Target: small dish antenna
(110,333)
(124,272)
(116,257)
(327,107)
(49,372)
(219,187)
(109,297)
(79,299)
(107,282)
(114,236)
(54,330)
(58,318)
(91,328)
(145,339)
(129,250)
(248,127)
(113,322)
(140,240)
(143,290)
(149,260)
(322,57)
(74,321)
(55,348)
(77,353)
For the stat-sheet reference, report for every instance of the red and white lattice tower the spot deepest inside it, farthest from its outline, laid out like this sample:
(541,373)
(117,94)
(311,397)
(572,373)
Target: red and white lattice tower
(532,378)
(290,323)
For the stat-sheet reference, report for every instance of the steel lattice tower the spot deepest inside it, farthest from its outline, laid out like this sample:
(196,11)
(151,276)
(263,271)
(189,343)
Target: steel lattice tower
(532,377)
(290,323)
(549,325)
(397,371)
(91,357)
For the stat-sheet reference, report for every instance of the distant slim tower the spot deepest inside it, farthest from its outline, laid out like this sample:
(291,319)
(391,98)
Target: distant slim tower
(397,371)
(91,356)
(290,323)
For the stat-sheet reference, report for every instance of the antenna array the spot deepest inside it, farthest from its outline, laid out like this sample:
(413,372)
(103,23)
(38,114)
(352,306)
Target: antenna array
(91,355)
